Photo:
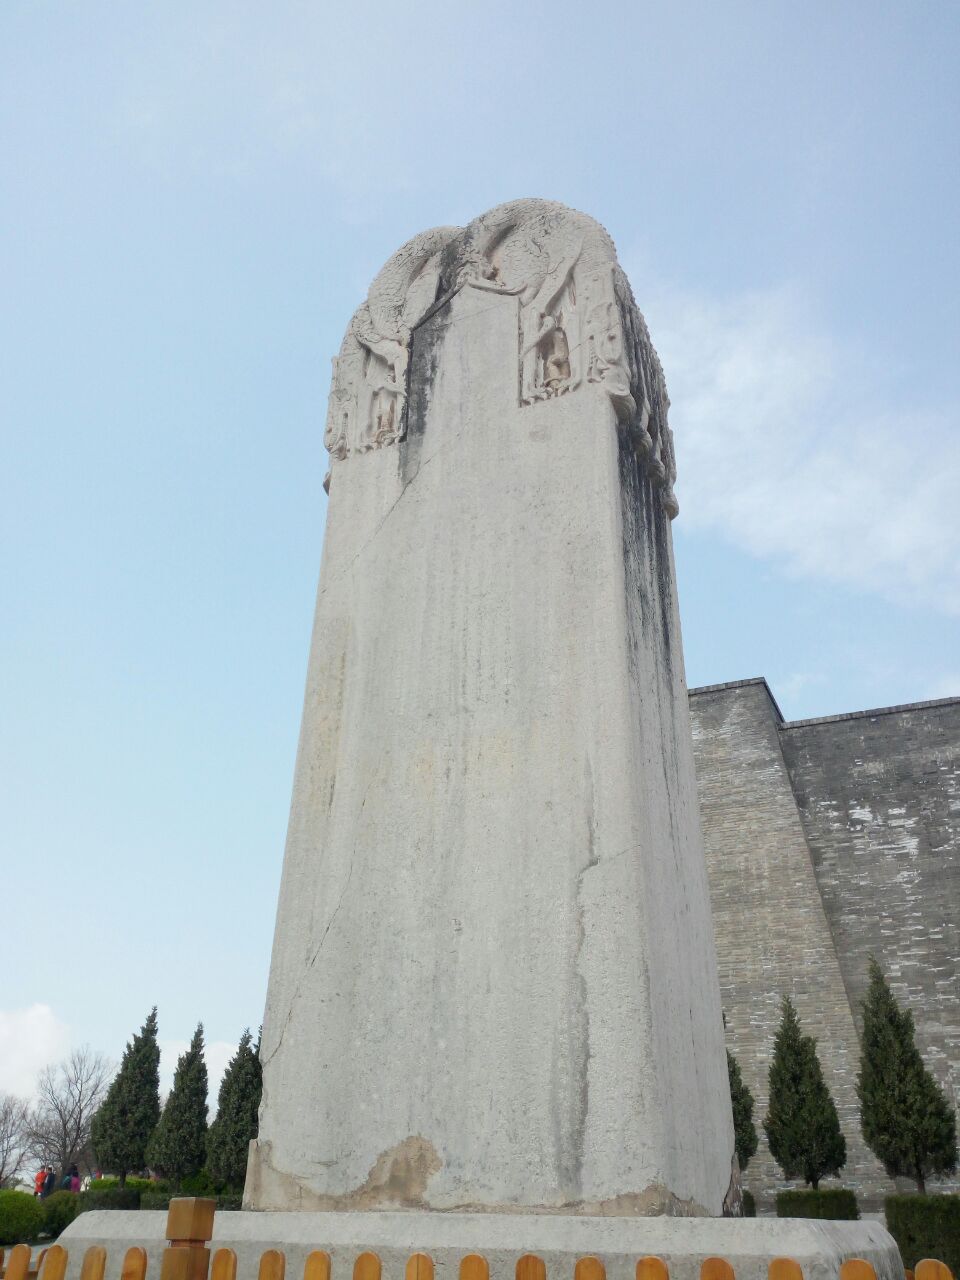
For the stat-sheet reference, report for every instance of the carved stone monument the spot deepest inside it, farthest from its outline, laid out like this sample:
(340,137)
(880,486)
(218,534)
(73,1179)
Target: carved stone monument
(493,1020)
(493,982)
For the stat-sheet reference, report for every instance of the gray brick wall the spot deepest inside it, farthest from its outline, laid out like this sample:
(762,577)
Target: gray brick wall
(828,841)
(773,934)
(879,797)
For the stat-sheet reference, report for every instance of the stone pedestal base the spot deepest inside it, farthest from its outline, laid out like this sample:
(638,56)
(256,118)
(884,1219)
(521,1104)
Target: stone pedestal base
(747,1243)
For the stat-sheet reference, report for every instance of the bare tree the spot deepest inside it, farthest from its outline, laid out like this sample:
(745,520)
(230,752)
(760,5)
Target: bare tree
(13,1138)
(69,1094)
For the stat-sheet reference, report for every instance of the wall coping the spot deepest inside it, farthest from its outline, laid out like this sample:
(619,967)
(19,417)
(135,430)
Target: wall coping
(869,714)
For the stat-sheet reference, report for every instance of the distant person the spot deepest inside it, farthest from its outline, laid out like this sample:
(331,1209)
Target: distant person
(49,1182)
(38,1180)
(74,1179)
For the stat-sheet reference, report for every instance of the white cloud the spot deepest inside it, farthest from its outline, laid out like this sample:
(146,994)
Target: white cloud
(786,447)
(30,1039)
(217,1053)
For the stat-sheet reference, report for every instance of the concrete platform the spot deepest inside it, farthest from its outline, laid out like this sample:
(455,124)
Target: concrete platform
(747,1243)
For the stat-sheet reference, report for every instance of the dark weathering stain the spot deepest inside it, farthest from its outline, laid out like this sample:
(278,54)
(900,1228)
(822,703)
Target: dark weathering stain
(644,546)
(425,344)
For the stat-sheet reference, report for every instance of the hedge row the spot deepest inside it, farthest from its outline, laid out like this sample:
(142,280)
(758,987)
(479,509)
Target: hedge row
(925,1227)
(226,1200)
(835,1203)
(59,1210)
(24,1218)
(115,1197)
(21,1217)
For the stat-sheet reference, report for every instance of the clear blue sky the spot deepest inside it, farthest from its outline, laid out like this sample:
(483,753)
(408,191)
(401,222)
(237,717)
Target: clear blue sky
(195,198)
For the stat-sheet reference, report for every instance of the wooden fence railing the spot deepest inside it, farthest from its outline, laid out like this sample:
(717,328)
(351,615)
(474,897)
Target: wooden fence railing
(190,1230)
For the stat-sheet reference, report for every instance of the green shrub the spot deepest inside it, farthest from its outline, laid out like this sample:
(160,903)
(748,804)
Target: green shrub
(21,1217)
(59,1210)
(198,1184)
(98,1197)
(834,1203)
(108,1184)
(226,1201)
(156,1199)
(925,1227)
(749,1205)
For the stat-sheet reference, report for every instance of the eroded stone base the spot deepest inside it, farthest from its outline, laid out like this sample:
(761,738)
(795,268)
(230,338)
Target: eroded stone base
(747,1243)
(399,1181)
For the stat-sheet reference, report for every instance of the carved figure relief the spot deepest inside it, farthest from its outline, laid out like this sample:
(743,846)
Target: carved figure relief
(607,361)
(383,387)
(576,316)
(340,409)
(550,333)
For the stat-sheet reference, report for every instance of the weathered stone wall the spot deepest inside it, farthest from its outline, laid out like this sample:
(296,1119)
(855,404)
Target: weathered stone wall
(773,936)
(828,841)
(879,797)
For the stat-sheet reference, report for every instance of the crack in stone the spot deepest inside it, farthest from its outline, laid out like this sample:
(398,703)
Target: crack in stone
(327,928)
(389,512)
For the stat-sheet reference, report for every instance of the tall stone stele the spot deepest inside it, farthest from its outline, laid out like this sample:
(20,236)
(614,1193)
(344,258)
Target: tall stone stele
(493,983)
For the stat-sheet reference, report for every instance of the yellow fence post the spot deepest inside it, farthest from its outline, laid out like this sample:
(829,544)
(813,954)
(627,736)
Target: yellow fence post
(474,1267)
(224,1265)
(367,1267)
(589,1268)
(784,1269)
(134,1265)
(651,1268)
(19,1263)
(54,1264)
(931,1269)
(317,1265)
(530,1267)
(857,1269)
(419,1267)
(189,1230)
(716,1269)
(94,1266)
(273,1265)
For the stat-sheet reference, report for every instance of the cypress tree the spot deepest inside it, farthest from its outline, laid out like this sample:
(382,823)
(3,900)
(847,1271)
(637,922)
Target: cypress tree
(905,1117)
(801,1125)
(179,1143)
(236,1122)
(123,1124)
(744,1130)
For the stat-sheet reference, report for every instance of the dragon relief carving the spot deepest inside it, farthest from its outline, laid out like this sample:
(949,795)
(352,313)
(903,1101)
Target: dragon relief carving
(577,321)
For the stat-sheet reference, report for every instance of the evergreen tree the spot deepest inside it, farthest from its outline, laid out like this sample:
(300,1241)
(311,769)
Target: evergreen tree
(906,1119)
(801,1125)
(744,1130)
(123,1124)
(236,1122)
(178,1146)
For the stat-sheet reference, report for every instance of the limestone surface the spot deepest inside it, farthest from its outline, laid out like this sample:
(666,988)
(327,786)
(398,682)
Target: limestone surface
(494,982)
